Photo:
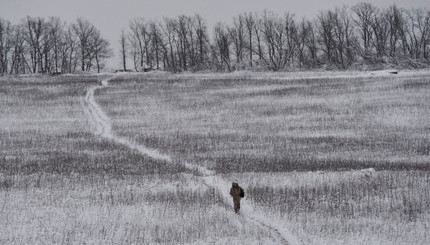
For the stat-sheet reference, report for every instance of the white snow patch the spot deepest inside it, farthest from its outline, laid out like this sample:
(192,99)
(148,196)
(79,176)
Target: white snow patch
(385,72)
(105,82)
(368,172)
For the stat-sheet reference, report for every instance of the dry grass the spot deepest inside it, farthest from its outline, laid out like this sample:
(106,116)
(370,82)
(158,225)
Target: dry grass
(273,125)
(75,209)
(294,144)
(60,184)
(239,125)
(352,207)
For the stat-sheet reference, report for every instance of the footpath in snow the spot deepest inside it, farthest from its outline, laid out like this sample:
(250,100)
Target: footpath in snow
(103,128)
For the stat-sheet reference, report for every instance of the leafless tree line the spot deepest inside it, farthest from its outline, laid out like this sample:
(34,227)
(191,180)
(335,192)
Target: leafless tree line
(39,45)
(178,44)
(343,38)
(335,39)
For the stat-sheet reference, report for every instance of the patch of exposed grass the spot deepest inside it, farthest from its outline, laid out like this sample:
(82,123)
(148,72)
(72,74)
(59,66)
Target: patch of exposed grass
(150,209)
(45,129)
(242,124)
(388,206)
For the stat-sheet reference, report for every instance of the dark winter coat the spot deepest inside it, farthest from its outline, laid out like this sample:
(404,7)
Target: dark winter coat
(235,193)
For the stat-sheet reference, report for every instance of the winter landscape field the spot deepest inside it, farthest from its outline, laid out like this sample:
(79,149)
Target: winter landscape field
(324,158)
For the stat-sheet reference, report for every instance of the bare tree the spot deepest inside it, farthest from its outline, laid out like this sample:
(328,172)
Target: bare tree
(300,39)
(425,34)
(84,31)
(183,42)
(279,40)
(394,17)
(200,29)
(140,41)
(327,36)
(69,51)
(380,28)
(336,37)
(145,33)
(124,47)
(250,24)
(19,62)
(291,34)
(273,32)
(37,45)
(55,28)
(156,42)
(237,36)
(312,45)
(100,49)
(344,38)
(417,30)
(34,28)
(222,47)
(5,45)
(403,26)
(169,29)
(259,36)
(192,44)
(365,15)
(136,44)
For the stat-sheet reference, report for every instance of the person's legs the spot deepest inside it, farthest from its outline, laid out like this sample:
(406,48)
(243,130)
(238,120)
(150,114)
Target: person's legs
(236,204)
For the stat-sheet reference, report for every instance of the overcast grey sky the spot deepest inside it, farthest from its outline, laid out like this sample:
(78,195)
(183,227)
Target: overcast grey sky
(111,16)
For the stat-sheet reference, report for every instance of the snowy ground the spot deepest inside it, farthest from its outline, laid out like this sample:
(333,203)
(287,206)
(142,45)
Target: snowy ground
(103,127)
(89,164)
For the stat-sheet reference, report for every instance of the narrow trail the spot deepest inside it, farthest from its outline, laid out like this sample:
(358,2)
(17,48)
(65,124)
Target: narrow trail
(102,126)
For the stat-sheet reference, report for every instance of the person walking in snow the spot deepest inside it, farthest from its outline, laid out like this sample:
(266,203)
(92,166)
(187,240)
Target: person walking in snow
(237,193)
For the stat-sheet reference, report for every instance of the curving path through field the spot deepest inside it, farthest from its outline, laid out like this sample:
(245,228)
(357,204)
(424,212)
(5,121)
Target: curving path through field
(102,126)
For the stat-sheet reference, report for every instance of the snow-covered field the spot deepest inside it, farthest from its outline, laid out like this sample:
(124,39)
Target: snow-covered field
(325,158)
